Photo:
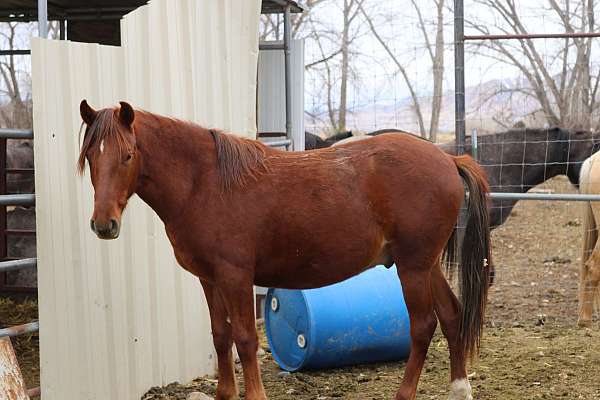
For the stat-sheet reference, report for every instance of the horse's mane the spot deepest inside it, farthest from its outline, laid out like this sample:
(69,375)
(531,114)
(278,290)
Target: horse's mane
(238,159)
(106,124)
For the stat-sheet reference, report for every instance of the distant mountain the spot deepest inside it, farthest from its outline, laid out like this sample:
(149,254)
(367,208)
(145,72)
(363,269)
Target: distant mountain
(486,104)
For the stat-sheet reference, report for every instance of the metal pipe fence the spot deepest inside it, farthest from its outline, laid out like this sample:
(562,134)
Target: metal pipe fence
(544,196)
(16,133)
(16,265)
(26,200)
(460,103)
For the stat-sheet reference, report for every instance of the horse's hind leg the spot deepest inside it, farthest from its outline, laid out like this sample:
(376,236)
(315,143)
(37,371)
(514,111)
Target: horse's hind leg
(416,286)
(447,308)
(222,338)
(588,287)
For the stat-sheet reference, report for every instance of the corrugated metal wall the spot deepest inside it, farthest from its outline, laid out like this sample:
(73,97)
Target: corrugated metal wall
(271,92)
(119,317)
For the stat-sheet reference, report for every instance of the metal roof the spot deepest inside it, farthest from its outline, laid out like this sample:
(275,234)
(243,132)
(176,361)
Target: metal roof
(26,10)
(277,6)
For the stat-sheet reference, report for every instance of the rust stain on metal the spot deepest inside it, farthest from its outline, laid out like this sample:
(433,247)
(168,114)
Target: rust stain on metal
(12,386)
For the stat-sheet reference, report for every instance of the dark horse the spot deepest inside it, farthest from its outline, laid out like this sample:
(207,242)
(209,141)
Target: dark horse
(520,159)
(312,141)
(239,213)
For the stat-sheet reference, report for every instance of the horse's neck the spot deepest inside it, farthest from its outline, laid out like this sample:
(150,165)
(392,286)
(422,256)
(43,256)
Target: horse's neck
(509,171)
(175,158)
(553,162)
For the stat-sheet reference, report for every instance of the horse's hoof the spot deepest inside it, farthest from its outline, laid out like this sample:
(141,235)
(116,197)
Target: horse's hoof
(198,396)
(584,323)
(233,397)
(460,389)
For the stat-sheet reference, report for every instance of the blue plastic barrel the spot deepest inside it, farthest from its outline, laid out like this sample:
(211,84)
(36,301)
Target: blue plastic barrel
(361,320)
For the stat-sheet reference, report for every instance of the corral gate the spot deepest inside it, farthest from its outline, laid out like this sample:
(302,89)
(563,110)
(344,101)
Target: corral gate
(459,95)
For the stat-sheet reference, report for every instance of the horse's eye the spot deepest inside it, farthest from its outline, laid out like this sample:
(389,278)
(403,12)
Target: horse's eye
(129,157)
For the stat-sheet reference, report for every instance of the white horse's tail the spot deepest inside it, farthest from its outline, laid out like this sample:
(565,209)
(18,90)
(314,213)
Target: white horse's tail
(590,233)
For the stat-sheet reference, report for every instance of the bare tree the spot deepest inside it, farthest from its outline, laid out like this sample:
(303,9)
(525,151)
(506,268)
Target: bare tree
(565,88)
(351,10)
(436,53)
(16,111)
(435,50)
(334,62)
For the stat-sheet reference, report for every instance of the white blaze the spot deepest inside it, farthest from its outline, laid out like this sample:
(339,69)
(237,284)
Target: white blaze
(101,147)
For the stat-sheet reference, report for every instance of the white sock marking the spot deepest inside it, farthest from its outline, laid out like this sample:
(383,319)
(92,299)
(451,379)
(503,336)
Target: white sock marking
(460,389)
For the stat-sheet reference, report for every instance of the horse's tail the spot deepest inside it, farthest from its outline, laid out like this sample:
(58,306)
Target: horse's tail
(590,232)
(590,229)
(475,254)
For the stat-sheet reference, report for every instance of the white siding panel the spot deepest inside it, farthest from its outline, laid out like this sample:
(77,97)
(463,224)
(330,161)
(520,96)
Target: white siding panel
(271,92)
(119,317)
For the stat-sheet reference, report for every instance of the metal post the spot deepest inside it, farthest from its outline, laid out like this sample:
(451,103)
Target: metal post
(43,18)
(63,29)
(474,144)
(459,75)
(3,241)
(287,40)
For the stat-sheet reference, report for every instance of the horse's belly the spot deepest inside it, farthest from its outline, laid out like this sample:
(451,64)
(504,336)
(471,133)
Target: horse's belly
(316,267)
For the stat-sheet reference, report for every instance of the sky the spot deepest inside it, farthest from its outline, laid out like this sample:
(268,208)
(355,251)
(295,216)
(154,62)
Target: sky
(376,83)
(396,20)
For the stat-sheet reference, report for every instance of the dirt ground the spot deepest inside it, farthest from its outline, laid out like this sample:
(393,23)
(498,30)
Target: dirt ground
(530,349)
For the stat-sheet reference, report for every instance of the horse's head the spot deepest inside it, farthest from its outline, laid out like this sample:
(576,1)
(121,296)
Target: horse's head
(581,145)
(109,145)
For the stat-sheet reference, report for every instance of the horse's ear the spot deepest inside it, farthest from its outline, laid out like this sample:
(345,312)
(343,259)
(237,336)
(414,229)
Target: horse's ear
(126,114)
(88,114)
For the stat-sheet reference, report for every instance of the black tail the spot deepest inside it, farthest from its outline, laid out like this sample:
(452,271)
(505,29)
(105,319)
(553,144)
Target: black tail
(475,254)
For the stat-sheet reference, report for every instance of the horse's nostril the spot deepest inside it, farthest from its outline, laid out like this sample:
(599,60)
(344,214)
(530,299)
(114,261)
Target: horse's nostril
(92,225)
(114,225)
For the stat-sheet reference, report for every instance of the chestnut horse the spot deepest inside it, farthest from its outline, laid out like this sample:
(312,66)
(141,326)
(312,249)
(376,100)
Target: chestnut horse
(239,213)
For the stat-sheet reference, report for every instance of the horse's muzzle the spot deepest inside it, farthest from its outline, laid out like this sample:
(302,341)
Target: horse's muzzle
(108,231)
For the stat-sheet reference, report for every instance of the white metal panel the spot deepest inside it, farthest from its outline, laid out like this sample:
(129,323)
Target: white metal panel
(271,92)
(119,317)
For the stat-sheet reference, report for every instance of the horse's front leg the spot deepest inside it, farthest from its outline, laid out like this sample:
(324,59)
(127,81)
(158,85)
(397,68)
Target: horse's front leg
(222,338)
(236,287)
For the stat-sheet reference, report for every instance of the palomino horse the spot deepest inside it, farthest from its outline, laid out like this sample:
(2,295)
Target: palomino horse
(238,213)
(589,183)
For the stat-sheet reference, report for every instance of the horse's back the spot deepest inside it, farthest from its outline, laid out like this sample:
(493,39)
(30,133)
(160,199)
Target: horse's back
(589,179)
(345,204)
